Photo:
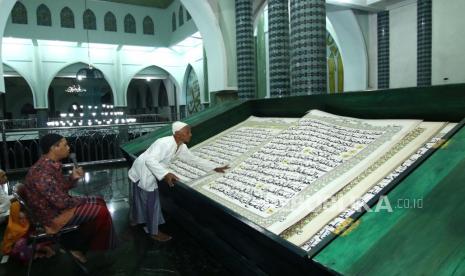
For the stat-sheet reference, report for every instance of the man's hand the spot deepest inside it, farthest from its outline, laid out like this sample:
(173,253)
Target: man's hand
(77,173)
(170,179)
(221,169)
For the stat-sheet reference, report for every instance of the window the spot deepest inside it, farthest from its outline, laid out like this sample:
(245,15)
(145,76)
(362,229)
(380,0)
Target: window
(129,24)
(188,16)
(181,16)
(173,22)
(110,22)
(89,20)
(67,18)
(148,26)
(19,14)
(44,18)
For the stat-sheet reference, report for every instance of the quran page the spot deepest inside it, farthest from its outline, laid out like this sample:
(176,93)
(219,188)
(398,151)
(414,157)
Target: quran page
(302,166)
(357,188)
(299,231)
(231,145)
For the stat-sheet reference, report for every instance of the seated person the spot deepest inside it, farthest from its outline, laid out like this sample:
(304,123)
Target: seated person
(4,197)
(46,192)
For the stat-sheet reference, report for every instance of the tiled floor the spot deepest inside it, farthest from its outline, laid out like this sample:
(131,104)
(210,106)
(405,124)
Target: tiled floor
(136,254)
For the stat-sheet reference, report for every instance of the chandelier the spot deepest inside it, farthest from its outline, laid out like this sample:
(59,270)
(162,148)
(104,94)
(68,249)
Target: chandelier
(89,73)
(75,89)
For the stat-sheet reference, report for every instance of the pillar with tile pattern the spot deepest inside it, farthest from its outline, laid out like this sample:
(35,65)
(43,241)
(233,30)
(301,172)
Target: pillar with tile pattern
(245,50)
(383,50)
(308,47)
(278,32)
(424,34)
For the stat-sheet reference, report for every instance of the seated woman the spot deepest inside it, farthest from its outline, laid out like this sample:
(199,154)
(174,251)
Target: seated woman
(46,192)
(4,197)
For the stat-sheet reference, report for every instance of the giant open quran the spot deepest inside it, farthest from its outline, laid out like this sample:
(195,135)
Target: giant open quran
(300,177)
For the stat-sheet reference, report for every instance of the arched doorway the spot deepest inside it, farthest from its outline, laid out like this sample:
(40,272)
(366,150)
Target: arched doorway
(17,102)
(151,95)
(66,91)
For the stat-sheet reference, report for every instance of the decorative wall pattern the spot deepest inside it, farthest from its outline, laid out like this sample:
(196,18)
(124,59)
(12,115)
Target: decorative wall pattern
(308,47)
(193,93)
(383,50)
(335,66)
(245,50)
(424,42)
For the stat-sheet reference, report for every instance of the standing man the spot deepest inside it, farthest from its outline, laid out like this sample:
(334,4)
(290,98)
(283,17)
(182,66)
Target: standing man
(46,192)
(151,167)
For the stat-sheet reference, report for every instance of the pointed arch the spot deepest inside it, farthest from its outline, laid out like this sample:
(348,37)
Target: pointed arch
(44,17)
(129,24)
(89,20)
(110,22)
(19,14)
(162,96)
(148,26)
(181,15)
(67,18)
(173,22)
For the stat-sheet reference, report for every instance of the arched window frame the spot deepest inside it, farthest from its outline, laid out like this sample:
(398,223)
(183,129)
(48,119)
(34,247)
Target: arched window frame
(67,18)
(181,16)
(44,17)
(148,26)
(129,24)
(89,21)
(110,22)
(173,22)
(19,14)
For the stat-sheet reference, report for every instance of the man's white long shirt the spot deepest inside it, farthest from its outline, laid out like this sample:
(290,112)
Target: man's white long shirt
(154,162)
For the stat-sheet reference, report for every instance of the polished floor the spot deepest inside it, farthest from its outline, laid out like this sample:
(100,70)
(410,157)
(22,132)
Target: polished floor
(136,254)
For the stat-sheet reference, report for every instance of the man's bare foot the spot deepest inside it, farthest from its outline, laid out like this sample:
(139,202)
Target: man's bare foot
(161,237)
(79,256)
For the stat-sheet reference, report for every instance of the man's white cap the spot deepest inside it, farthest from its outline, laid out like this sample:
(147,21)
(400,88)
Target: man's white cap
(177,126)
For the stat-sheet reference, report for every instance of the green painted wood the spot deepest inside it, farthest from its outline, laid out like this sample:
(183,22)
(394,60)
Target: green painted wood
(435,103)
(411,241)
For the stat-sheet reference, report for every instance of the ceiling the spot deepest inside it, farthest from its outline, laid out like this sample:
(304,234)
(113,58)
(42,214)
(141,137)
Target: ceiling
(161,4)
